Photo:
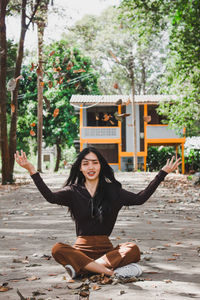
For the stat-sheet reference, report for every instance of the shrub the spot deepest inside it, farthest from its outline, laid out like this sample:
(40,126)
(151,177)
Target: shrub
(157,157)
(192,161)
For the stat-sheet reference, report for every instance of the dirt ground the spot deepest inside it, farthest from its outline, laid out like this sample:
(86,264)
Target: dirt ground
(166,228)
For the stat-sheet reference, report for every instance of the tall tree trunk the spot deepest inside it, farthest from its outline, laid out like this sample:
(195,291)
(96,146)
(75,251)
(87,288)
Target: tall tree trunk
(58,158)
(39,98)
(6,176)
(143,77)
(41,23)
(132,76)
(14,100)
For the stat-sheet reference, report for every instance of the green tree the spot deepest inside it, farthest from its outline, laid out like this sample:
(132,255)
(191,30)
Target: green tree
(181,19)
(70,73)
(8,145)
(109,40)
(66,72)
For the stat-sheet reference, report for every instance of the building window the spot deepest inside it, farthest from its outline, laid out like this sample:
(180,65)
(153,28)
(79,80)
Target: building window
(101,116)
(46,157)
(155,117)
(109,151)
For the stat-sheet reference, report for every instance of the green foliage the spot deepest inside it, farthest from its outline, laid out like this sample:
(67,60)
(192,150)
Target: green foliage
(181,22)
(11,54)
(157,157)
(192,161)
(69,154)
(61,71)
(110,40)
(11,58)
(60,83)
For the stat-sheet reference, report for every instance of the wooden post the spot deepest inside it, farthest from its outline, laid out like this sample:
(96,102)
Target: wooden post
(131,69)
(183,159)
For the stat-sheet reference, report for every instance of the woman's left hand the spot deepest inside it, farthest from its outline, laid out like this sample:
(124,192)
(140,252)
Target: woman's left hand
(171,165)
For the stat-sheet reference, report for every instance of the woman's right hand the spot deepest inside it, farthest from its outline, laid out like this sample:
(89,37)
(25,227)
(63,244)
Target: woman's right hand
(23,162)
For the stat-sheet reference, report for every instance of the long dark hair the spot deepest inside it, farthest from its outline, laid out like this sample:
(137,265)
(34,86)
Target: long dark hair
(101,204)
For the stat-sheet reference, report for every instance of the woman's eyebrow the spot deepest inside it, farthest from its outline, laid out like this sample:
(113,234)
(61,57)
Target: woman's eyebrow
(90,159)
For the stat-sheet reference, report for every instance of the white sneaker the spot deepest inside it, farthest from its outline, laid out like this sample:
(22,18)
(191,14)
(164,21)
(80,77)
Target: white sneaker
(70,270)
(130,270)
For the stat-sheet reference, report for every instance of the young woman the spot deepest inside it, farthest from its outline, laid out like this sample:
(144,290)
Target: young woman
(94,198)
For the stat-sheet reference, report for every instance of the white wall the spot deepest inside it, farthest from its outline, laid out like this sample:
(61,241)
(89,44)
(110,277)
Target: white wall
(129,129)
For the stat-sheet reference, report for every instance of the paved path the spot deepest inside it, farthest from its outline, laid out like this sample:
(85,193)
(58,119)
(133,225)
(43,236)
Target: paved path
(166,229)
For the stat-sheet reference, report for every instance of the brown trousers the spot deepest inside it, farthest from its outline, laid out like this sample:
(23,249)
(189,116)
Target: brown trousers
(90,248)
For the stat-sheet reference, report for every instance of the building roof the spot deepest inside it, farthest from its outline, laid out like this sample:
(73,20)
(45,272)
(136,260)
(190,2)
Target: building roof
(111,99)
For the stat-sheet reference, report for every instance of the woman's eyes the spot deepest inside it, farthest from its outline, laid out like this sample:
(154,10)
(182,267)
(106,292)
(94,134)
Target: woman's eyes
(94,162)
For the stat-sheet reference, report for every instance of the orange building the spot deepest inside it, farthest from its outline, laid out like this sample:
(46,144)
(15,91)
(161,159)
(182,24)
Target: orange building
(106,122)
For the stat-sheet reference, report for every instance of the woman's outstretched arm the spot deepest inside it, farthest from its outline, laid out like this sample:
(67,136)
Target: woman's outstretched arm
(129,198)
(171,165)
(24,163)
(61,197)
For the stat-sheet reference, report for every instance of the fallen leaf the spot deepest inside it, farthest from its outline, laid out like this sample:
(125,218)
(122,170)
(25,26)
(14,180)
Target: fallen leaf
(96,287)
(51,53)
(70,280)
(84,294)
(172,258)
(122,292)
(69,65)
(38,293)
(116,86)
(79,71)
(32,278)
(172,201)
(75,286)
(50,84)
(32,67)
(128,102)
(39,71)
(60,80)
(13,249)
(167,281)
(57,286)
(106,280)
(32,132)
(56,112)
(58,69)
(12,108)
(4,288)
(113,55)
(18,260)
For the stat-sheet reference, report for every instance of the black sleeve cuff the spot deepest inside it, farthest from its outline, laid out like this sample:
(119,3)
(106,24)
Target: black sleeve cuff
(162,174)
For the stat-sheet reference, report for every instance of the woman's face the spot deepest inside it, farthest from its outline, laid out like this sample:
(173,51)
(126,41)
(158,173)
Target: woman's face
(90,166)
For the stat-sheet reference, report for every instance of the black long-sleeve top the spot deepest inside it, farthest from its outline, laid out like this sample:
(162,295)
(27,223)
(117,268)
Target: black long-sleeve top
(79,200)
